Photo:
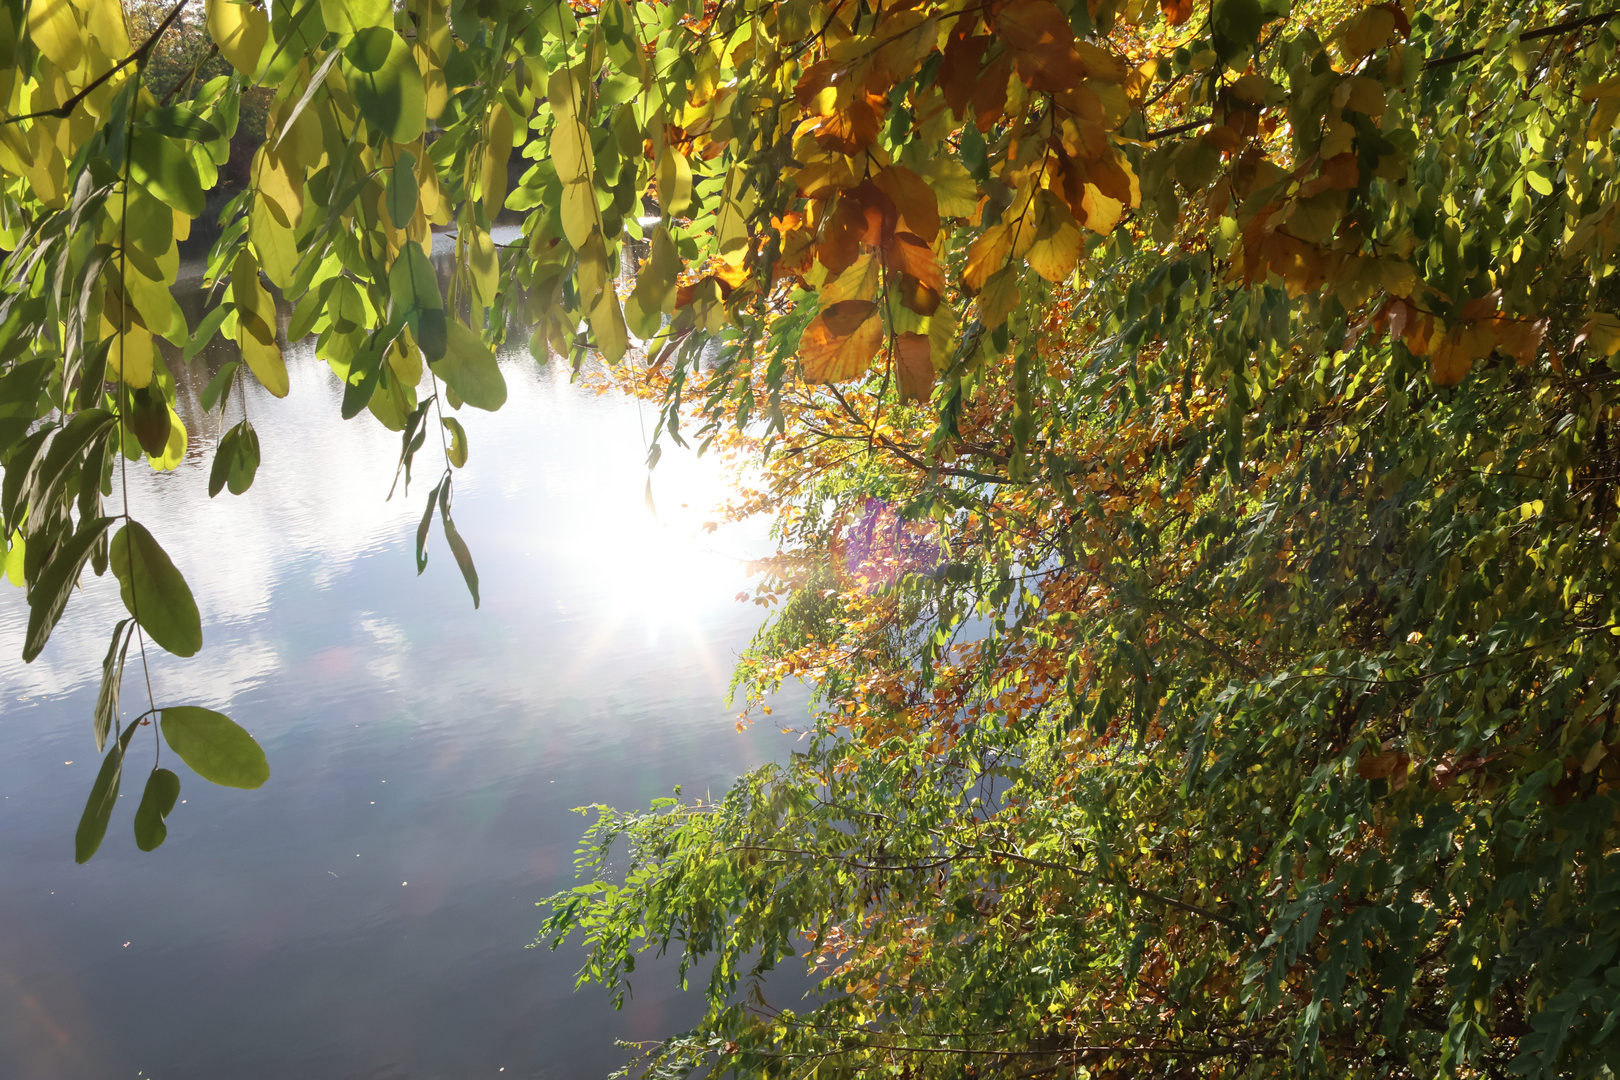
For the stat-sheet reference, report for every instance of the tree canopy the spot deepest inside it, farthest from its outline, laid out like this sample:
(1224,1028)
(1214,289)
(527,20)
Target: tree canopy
(1187,425)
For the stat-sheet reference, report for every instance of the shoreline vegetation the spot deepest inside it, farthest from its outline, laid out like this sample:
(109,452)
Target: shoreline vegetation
(1189,429)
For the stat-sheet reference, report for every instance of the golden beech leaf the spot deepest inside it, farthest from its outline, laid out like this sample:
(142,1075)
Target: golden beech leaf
(916,202)
(1102,212)
(858,281)
(1453,353)
(1043,41)
(912,364)
(988,254)
(910,36)
(840,342)
(1056,248)
(1366,32)
(850,130)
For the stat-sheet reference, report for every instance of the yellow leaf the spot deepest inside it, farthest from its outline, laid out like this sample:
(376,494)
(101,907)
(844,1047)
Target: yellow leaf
(54,27)
(497,151)
(1601,334)
(130,357)
(674,182)
(1056,248)
(174,451)
(484,265)
(279,183)
(988,254)
(256,326)
(859,281)
(240,31)
(954,187)
(999,297)
(1365,33)
(841,342)
(607,326)
(579,213)
(942,327)
(1102,212)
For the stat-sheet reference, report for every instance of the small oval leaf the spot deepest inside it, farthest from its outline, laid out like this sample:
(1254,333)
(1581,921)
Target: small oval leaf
(215,747)
(162,789)
(154,591)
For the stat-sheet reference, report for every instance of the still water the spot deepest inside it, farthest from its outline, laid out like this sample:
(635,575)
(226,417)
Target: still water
(365,913)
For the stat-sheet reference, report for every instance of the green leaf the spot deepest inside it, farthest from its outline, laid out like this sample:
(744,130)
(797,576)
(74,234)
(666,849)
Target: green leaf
(236,460)
(166,169)
(215,747)
(112,679)
(422,529)
(219,386)
(458,546)
(154,591)
(1236,25)
(348,16)
(415,301)
(49,596)
(206,331)
(386,83)
(458,441)
(401,192)
(157,801)
(178,122)
(469,369)
(98,807)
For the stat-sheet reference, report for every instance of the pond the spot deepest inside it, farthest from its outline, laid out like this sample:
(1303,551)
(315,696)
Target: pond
(365,913)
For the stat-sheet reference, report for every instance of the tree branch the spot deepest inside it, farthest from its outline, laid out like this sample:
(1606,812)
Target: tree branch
(64,110)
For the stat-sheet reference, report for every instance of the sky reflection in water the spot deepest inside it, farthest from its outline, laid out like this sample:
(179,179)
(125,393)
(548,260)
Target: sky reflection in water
(364,914)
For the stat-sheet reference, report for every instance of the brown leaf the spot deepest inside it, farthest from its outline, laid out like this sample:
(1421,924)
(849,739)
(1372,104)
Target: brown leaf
(1521,338)
(915,295)
(1338,173)
(1043,40)
(914,367)
(989,101)
(916,202)
(959,69)
(841,341)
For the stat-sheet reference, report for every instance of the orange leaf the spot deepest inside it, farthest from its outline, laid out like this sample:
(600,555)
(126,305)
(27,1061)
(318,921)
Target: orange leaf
(1338,173)
(990,95)
(916,202)
(839,343)
(909,255)
(1175,12)
(855,127)
(1453,354)
(1520,338)
(914,367)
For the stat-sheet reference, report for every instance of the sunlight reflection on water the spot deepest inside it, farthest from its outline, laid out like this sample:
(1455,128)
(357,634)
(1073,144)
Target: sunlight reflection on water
(411,739)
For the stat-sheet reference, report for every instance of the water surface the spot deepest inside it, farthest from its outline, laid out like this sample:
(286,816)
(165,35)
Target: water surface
(365,913)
